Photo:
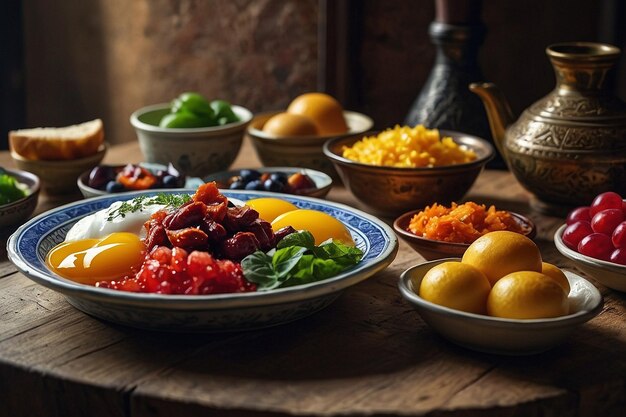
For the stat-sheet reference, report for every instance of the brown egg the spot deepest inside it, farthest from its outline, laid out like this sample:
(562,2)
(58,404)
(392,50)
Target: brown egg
(287,124)
(324,110)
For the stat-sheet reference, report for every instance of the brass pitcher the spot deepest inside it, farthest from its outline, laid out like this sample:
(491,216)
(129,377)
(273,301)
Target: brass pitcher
(570,145)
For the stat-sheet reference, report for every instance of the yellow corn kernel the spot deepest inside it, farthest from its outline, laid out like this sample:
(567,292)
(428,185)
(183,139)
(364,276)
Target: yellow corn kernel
(404,146)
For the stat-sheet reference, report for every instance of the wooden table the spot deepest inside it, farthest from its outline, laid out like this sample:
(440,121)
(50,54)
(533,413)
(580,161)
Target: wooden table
(369,353)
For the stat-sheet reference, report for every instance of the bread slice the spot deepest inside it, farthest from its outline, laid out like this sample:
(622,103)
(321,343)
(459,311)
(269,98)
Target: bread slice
(58,143)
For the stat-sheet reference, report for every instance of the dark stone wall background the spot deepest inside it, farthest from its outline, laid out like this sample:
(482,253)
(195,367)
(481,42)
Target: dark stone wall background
(106,58)
(396,55)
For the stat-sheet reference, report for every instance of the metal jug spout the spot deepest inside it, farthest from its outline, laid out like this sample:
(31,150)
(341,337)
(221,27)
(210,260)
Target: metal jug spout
(498,112)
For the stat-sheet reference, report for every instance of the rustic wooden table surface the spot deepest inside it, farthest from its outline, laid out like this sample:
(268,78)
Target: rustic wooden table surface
(368,353)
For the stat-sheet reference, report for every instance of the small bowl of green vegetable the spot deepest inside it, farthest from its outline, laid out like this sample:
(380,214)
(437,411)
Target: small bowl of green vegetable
(19,191)
(197,136)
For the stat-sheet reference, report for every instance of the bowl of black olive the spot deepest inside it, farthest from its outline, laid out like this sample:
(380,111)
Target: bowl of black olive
(288,180)
(107,179)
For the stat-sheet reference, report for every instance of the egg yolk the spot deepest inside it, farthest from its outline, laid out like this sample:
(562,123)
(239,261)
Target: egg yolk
(270,208)
(324,110)
(287,124)
(321,225)
(91,260)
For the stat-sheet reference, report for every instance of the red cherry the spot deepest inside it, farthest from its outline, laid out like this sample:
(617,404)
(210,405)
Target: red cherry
(575,232)
(619,235)
(608,200)
(618,256)
(578,214)
(607,220)
(596,245)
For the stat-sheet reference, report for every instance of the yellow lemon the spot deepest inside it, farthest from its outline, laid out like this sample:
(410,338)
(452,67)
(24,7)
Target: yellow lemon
(321,225)
(270,208)
(288,124)
(456,285)
(527,295)
(497,254)
(555,273)
(323,110)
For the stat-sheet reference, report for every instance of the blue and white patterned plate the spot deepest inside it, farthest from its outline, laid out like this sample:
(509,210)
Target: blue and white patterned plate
(28,246)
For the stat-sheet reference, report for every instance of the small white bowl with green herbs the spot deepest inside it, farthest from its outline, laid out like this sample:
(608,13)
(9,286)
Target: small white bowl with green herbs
(19,192)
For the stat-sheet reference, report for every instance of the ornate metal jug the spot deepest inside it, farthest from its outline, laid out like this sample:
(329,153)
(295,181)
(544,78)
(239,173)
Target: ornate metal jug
(570,145)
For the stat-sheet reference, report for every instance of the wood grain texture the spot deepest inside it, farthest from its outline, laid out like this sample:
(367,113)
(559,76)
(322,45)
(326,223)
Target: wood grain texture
(369,353)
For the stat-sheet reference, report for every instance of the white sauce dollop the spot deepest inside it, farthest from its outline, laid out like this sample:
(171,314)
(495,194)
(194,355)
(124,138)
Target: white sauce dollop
(96,225)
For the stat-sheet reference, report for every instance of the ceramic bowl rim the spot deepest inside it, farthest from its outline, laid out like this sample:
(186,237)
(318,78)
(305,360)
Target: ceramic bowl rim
(243,113)
(34,186)
(581,316)
(261,135)
(45,163)
(338,159)
(327,181)
(214,301)
(82,185)
(415,239)
(584,259)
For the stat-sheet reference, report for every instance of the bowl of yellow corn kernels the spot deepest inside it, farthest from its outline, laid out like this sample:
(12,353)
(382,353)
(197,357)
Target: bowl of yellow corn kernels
(402,168)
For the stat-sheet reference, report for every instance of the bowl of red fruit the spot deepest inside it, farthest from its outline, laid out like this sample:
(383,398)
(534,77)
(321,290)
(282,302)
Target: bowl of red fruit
(594,237)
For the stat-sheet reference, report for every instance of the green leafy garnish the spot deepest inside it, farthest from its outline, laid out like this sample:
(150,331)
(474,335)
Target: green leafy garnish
(296,260)
(138,203)
(10,189)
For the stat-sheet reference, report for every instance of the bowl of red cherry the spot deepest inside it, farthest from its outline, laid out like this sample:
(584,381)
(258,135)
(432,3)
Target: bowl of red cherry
(107,179)
(288,180)
(594,237)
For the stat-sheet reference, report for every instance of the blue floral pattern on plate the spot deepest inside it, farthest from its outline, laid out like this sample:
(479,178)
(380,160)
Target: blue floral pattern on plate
(28,246)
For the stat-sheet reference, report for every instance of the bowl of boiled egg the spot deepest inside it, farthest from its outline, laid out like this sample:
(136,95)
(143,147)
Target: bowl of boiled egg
(295,137)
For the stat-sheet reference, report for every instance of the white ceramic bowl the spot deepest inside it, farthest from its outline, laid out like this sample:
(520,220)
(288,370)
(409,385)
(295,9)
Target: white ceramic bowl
(28,246)
(194,151)
(87,191)
(14,213)
(59,177)
(609,274)
(323,182)
(497,335)
(301,151)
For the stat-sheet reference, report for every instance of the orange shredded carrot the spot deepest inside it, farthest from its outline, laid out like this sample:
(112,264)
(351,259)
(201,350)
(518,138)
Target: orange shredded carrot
(461,223)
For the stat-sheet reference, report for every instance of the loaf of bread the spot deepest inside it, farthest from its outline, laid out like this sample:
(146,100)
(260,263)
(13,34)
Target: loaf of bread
(58,143)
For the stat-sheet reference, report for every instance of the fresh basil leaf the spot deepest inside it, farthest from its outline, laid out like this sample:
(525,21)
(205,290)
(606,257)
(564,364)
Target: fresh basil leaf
(258,268)
(339,252)
(324,268)
(285,259)
(303,238)
(302,273)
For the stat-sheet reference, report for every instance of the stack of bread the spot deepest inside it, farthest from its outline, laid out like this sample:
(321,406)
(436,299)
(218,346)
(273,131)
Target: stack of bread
(58,143)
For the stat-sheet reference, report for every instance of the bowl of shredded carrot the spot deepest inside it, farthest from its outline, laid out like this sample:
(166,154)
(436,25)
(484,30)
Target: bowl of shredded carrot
(440,231)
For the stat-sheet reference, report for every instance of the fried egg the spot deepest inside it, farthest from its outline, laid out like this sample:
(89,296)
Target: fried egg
(104,222)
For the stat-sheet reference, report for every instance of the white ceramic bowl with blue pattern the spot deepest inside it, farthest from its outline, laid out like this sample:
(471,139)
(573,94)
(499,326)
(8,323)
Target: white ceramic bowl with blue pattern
(28,246)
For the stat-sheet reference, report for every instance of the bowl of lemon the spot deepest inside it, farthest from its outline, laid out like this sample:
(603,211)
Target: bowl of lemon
(500,297)
(295,137)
